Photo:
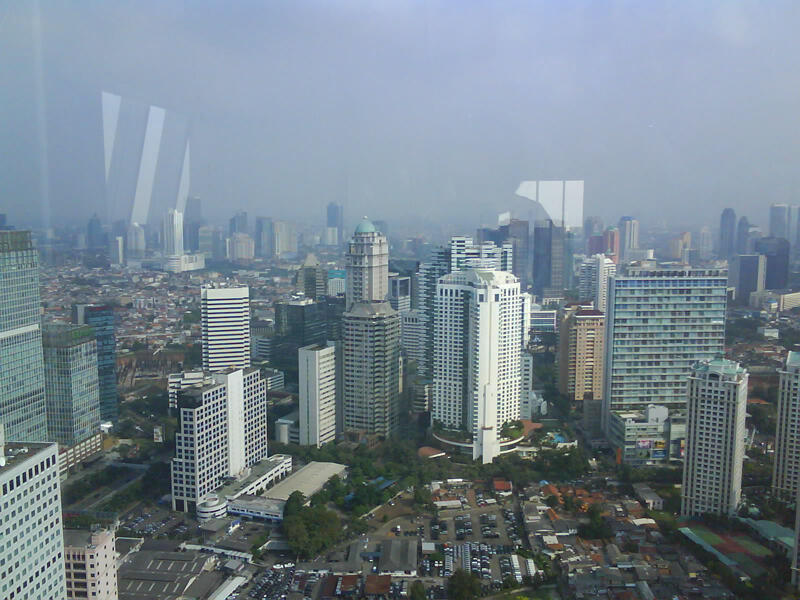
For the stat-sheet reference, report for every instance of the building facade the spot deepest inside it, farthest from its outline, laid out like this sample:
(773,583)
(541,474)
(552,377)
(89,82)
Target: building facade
(715,432)
(225,317)
(593,280)
(91,564)
(101,318)
(581,346)
(367,265)
(22,390)
(786,469)
(318,394)
(32,565)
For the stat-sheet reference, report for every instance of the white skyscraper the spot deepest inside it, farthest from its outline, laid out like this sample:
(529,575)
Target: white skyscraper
(222,431)
(477,346)
(593,280)
(172,233)
(717,406)
(225,314)
(629,237)
(786,471)
(31,538)
(317,411)
(367,265)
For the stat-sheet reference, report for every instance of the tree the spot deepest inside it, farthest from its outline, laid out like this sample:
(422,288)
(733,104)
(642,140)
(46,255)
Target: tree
(551,501)
(294,503)
(463,586)
(417,591)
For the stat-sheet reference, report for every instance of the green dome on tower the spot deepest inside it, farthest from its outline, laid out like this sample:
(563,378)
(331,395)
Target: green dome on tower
(366,226)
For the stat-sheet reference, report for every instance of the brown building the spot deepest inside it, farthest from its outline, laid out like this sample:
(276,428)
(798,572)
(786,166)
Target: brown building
(581,354)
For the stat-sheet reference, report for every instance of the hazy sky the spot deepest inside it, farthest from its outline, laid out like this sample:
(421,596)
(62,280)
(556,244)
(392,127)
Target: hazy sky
(413,111)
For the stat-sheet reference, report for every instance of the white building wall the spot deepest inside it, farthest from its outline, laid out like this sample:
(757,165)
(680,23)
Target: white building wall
(786,469)
(317,411)
(225,315)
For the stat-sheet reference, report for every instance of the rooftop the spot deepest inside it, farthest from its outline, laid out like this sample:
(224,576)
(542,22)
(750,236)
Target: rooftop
(257,471)
(308,480)
(17,453)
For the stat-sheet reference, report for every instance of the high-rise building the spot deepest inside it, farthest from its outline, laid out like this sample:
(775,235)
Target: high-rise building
(318,394)
(33,540)
(743,236)
(727,233)
(101,318)
(783,222)
(367,265)
(298,323)
(777,252)
(593,280)
(284,238)
(116,251)
(312,278)
(478,329)
(225,316)
(786,469)
(629,237)
(334,234)
(240,246)
(747,273)
(71,383)
(661,320)
(210,242)
(264,238)
(515,232)
(716,411)
(192,221)
(413,335)
(91,564)
(22,390)
(222,431)
(611,244)
(136,241)
(400,292)
(549,258)
(238,223)
(581,355)
(95,236)
(172,233)
(371,369)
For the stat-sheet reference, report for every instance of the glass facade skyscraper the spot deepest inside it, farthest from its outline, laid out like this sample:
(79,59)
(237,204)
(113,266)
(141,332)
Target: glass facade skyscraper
(101,318)
(22,397)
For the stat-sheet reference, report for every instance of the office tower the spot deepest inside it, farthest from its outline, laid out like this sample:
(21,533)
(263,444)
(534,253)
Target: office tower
(225,314)
(747,273)
(629,237)
(679,247)
(91,564)
(743,236)
(172,233)
(101,318)
(135,238)
(22,393)
(298,323)
(95,237)
(727,233)
(318,394)
(240,246)
(222,431)
(367,265)
(237,223)
(611,243)
(705,243)
(478,340)
(264,237)
(33,540)
(516,233)
(717,407)
(593,280)
(413,336)
(335,224)
(549,264)
(312,278)
(592,226)
(400,292)
(595,244)
(210,242)
(777,252)
(337,282)
(116,251)
(661,320)
(72,387)
(581,355)
(192,221)
(371,369)
(786,470)
(783,222)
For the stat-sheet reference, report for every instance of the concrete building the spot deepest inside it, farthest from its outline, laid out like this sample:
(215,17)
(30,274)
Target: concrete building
(225,316)
(399,292)
(413,335)
(777,253)
(717,407)
(786,469)
(31,538)
(312,278)
(593,280)
(371,369)
(22,390)
(222,432)
(334,231)
(478,341)
(101,318)
(318,394)
(727,233)
(628,237)
(661,321)
(649,437)
(367,265)
(581,346)
(240,246)
(172,233)
(91,564)
(747,273)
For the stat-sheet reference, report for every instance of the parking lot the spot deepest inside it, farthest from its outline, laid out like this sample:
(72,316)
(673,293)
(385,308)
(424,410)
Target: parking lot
(152,521)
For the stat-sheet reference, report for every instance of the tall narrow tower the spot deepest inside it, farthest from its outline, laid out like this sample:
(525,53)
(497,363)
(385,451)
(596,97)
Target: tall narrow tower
(225,314)
(367,265)
(173,233)
(717,406)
